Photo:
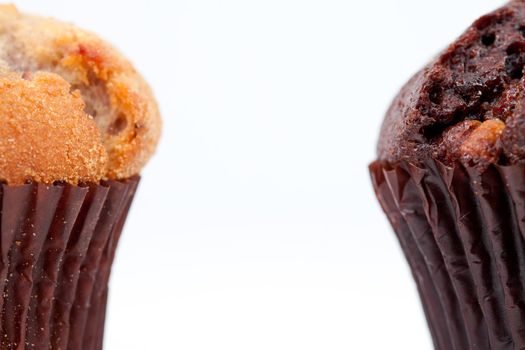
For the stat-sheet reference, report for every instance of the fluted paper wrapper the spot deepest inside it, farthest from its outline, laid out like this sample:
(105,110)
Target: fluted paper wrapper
(57,245)
(463,234)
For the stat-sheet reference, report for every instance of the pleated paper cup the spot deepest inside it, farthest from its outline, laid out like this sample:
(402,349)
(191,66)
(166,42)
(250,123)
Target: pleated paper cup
(57,245)
(463,234)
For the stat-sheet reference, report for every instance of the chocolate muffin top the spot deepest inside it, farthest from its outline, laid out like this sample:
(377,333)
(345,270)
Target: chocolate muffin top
(468,104)
(72,108)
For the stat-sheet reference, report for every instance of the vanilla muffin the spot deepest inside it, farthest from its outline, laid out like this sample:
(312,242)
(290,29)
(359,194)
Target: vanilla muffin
(77,125)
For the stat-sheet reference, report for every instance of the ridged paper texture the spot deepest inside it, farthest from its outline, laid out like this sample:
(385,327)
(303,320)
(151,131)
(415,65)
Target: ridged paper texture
(462,232)
(57,245)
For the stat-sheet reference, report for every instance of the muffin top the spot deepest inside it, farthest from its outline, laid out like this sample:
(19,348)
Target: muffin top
(468,104)
(72,108)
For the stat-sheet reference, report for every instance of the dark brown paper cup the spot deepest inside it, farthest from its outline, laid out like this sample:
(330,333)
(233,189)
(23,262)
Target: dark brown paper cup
(57,245)
(462,233)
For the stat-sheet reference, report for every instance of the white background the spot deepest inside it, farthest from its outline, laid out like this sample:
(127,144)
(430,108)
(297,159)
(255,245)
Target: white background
(255,226)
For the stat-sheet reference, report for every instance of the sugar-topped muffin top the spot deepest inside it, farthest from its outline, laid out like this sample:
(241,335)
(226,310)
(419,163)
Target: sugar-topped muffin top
(72,108)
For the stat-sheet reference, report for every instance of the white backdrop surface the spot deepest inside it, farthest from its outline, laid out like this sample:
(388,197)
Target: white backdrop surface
(255,226)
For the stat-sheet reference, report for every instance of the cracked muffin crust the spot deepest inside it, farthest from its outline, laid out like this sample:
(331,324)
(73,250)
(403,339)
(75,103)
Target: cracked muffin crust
(45,135)
(66,90)
(468,104)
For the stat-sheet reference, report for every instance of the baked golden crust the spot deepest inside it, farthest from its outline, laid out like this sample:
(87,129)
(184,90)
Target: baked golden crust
(45,135)
(113,93)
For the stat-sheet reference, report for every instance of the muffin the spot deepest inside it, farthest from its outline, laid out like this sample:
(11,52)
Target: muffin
(77,125)
(450,175)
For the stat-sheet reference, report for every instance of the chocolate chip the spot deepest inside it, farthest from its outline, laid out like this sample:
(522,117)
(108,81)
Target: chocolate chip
(488,39)
(522,30)
(435,94)
(515,60)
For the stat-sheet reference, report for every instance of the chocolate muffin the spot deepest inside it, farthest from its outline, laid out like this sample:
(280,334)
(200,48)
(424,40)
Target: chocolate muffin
(77,125)
(468,104)
(450,175)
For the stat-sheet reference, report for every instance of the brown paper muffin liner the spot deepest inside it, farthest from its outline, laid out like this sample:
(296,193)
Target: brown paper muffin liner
(462,233)
(57,245)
